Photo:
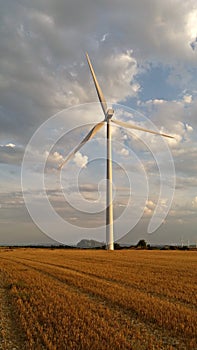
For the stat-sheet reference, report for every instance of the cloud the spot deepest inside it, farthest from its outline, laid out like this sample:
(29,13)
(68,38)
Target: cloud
(193,44)
(149,208)
(14,199)
(124,152)
(191,23)
(80,160)
(121,70)
(187,98)
(53,160)
(12,145)
(104,37)
(11,154)
(175,117)
(150,204)
(194,202)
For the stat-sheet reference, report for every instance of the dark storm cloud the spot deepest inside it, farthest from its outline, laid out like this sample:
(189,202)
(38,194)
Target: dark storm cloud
(43,44)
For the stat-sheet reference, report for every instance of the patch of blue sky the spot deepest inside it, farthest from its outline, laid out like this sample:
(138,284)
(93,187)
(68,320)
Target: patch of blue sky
(154,84)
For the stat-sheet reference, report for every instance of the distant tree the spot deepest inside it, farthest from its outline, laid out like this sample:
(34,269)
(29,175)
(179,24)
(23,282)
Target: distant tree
(141,244)
(117,246)
(172,247)
(185,247)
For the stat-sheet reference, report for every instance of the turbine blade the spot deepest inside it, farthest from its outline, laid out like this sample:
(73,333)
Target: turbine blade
(132,126)
(98,89)
(88,137)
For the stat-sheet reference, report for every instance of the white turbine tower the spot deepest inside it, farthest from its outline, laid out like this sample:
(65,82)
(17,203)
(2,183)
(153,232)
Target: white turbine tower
(108,114)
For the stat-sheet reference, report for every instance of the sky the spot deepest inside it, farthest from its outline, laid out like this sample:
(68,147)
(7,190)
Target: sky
(144,54)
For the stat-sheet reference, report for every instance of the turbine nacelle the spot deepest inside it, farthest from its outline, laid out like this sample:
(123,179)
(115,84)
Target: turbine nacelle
(109,114)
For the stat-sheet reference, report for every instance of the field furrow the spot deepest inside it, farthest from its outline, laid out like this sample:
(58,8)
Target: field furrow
(66,273)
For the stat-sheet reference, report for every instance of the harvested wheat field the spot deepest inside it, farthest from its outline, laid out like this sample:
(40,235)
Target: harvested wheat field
(75,299)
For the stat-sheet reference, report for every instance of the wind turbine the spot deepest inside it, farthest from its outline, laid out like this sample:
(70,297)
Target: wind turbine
(108,114)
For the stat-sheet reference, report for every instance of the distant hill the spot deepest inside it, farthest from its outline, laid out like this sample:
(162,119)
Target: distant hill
(90,243)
